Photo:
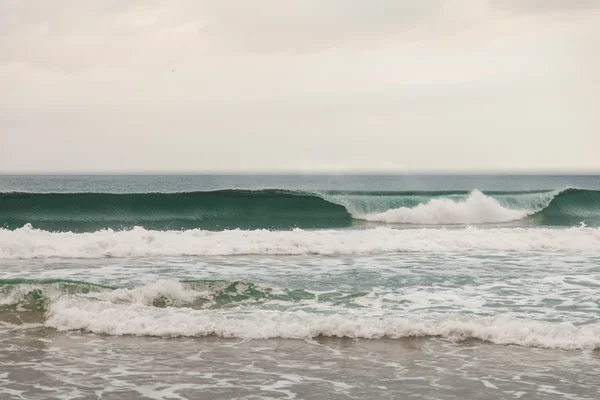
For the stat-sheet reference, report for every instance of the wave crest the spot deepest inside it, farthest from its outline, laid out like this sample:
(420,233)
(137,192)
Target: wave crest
(477,208)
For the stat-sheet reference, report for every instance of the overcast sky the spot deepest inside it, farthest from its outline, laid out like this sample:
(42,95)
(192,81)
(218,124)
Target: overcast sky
(306,85)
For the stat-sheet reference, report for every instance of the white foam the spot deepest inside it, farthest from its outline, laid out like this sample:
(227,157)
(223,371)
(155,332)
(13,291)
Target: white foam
(75,312)
(475,209)
(27,243)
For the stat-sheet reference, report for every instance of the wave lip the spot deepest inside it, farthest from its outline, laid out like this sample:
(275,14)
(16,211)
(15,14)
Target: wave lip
(30,243)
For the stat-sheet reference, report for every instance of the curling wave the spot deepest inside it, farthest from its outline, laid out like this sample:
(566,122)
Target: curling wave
(283,209)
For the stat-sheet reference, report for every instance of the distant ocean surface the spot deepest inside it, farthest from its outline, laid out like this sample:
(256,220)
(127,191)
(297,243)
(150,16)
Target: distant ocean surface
(305,287)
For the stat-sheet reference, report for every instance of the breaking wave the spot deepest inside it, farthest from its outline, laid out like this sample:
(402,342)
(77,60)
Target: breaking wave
(283,209)
(236,309)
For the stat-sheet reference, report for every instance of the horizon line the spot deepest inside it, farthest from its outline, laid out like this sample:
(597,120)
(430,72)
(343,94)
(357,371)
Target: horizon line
(355,172)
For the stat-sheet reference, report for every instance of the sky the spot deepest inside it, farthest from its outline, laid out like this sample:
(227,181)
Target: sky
(91,86)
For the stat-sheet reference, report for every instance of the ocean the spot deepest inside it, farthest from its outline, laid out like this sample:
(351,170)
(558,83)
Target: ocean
(300,287)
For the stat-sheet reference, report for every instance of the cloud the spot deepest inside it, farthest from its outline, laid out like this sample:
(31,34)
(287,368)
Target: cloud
(75,34)
(298,84)
(544,6)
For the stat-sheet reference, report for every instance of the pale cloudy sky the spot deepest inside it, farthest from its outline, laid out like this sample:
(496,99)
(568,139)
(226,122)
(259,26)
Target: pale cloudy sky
(292,85)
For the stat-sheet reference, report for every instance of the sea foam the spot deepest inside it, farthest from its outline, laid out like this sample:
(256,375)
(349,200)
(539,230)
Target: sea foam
(475,209)
(71,312)
(29,243)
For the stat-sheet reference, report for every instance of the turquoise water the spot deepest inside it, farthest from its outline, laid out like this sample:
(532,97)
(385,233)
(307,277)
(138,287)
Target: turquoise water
(88,204)
(246,267)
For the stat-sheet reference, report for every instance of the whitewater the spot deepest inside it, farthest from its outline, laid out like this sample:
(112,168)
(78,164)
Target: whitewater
(476,209)
(30,243)
(168,308)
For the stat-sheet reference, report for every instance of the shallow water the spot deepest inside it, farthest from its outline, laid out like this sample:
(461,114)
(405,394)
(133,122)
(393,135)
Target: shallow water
(42,363)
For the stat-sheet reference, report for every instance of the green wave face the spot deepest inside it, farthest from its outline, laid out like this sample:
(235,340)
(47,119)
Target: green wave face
(278,209)
(219,210)
(571,207)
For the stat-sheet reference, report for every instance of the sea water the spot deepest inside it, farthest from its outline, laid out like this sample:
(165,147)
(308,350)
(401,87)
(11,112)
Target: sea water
(186,287)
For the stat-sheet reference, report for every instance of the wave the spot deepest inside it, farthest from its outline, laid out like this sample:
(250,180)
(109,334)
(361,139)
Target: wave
(237,310)
(30,294)
(216,210)
(71,313)
(30,243)
(477,208)
(283,209)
